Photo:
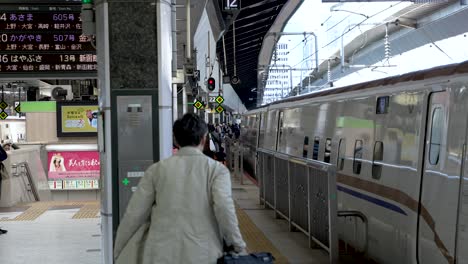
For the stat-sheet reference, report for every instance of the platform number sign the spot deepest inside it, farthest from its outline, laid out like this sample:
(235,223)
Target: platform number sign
(231,4)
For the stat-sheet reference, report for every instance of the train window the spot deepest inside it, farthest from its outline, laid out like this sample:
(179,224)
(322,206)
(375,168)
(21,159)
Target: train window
(378,157)
(280,132)
(357,161)
(306,147)
(341,154)
(315,151)
(436,135)
(382,105)
(326,157)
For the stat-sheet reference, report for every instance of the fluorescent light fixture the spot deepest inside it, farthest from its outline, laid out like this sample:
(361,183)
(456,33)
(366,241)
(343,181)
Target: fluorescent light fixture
(72,147)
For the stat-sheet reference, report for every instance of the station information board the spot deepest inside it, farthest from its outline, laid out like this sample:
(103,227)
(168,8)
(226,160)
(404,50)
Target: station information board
(41,38)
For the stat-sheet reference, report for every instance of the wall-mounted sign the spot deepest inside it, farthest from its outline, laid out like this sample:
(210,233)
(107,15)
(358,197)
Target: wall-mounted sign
(47,63)
(73,165)
(77,119)
(74,184)
(44,39)
(231,5)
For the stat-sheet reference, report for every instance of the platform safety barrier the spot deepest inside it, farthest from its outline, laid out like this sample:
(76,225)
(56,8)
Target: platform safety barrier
(304,193)
(235,158)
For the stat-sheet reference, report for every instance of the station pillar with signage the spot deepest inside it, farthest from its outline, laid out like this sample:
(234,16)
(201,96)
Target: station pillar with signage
(135,102)
(135,135)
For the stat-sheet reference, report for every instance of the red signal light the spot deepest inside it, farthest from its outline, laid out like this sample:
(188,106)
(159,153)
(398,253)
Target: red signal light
(211,84)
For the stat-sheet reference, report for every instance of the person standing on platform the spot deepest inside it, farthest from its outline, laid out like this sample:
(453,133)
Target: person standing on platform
(209,147)
(187,201)
(3,172)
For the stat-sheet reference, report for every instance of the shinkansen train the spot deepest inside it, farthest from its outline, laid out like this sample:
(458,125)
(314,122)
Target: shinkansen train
(399,146)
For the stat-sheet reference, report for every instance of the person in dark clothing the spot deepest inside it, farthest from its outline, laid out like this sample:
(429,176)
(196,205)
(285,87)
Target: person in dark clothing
(221,156)
(3,156)
(236,130)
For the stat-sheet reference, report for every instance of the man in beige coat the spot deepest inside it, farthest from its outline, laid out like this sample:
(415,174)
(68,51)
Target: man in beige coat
(188,200)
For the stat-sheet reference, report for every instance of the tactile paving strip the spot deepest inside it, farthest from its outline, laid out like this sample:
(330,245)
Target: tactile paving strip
(32,213)
(255,239)
(88,209)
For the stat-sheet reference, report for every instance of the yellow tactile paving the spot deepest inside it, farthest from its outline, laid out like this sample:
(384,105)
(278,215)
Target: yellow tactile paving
(253,236)
(255,239)
(89,209)
(32,213)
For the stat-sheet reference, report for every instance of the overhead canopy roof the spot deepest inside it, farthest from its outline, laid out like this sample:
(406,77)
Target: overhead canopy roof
(428,28)
(251,25)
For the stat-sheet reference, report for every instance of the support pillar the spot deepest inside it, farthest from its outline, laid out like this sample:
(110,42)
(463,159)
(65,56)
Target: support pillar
(184,100)
(174,102)
(134,72)
(164,40)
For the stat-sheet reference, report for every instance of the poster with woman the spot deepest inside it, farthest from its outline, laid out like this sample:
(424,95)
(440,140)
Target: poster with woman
(57,163)
(73,165)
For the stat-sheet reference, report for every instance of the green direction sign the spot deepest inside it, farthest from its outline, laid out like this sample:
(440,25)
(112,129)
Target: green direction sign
(198,104)
(219,109)
(3,115)
(219,99)
(18,108)
(3,105)
(125,181)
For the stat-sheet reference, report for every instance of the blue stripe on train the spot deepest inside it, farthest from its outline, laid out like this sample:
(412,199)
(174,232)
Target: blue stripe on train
(372,199)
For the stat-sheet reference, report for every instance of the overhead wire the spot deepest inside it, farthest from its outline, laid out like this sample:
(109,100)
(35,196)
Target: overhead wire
(364,43)
(350,29)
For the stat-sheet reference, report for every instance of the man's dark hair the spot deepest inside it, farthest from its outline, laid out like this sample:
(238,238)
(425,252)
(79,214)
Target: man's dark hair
(189,130)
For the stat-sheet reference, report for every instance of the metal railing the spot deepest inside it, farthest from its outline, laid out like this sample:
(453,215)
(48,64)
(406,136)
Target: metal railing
(363,218)
(21,170)
(235,158)
(304,193)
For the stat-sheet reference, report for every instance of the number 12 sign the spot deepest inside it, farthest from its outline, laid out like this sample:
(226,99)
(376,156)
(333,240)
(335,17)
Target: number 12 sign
(231,4)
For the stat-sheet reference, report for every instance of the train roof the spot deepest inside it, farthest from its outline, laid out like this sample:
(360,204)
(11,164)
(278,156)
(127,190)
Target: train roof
(446,70)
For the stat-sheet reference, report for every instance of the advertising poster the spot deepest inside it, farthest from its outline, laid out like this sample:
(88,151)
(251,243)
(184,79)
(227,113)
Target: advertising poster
(55,185)
(73,165)
(79,118)
(74,185)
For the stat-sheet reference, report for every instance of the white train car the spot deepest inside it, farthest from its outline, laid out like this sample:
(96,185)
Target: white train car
(399,145)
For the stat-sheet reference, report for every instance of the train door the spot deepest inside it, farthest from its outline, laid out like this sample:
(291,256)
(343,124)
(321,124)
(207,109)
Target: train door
(439,188)
(259,117)
(462,223)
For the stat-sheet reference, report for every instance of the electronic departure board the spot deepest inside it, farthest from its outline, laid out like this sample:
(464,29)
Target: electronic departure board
(37,39)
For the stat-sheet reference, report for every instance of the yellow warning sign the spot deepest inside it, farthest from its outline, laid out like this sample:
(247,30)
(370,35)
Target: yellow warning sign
(3,105)
(219,109)
(3,115)
(198,104)
(219,99)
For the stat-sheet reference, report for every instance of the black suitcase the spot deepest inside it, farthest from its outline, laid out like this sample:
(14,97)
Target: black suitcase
(253,258)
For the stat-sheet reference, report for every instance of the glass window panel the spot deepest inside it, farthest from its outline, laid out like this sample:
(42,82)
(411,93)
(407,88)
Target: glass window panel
(357,162)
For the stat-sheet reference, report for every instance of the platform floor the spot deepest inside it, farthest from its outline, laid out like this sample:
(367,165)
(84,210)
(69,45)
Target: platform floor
(69,232)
